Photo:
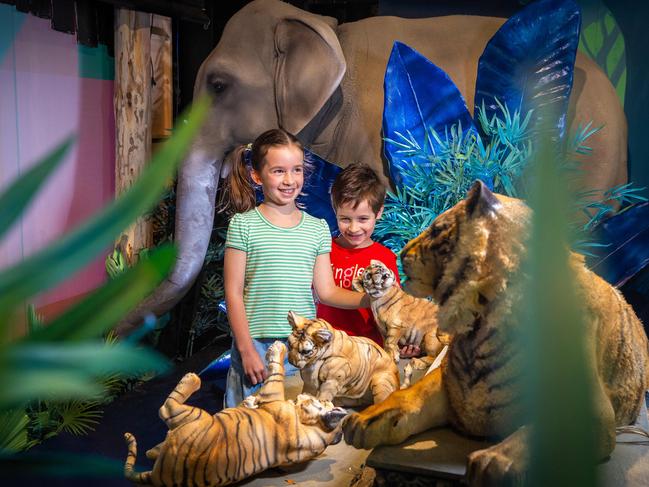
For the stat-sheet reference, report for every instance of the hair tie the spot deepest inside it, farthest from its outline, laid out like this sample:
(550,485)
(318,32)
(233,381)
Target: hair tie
(247,155)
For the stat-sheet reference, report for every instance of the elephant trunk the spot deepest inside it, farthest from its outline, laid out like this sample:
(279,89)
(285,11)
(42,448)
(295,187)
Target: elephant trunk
(195,199)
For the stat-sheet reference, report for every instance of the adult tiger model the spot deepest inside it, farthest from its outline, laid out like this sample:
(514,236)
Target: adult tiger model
(466,260)
(264,431)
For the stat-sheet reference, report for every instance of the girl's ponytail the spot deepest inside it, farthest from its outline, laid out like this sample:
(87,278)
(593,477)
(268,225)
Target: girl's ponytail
(237,194)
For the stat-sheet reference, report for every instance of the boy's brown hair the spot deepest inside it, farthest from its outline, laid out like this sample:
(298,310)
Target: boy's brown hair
(356,183)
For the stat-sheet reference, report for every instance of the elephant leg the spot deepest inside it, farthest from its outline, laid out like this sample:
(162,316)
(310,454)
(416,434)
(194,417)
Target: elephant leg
(404,413)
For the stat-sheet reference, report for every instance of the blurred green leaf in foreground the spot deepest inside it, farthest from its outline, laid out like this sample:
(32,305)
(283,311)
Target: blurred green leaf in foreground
(65,359)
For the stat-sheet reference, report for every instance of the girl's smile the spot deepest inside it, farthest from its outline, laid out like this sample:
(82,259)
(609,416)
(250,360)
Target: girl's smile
(282,175)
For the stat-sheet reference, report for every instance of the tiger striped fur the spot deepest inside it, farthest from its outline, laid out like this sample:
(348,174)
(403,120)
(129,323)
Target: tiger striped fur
(335,365)
(400,317)
(213,450)
(466,260)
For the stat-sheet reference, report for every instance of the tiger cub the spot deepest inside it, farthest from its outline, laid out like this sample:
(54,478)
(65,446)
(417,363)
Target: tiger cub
(469,260)
(264,431)
(400,317)
(336,365)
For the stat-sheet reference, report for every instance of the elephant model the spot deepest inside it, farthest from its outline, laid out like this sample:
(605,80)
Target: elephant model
(277,65)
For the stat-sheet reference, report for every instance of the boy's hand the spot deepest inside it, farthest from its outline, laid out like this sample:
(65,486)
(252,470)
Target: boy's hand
(253,367)
(410,351)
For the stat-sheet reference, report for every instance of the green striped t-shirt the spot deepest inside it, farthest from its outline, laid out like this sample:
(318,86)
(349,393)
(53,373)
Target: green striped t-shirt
(279,268)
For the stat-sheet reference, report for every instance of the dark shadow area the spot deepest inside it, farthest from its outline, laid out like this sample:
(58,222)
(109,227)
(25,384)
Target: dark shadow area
(135,411)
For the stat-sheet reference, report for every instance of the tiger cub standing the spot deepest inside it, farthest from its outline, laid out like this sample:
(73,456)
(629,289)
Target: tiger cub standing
(400,317)
(262,432)
(335,365)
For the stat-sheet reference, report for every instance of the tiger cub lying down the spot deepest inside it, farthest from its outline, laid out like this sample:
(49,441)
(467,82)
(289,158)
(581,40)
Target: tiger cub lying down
(264,431)
(335,365)
(467,260)
(401,318)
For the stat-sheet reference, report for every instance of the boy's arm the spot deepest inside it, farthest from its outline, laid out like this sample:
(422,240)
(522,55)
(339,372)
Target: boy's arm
(234,268)
(327,291)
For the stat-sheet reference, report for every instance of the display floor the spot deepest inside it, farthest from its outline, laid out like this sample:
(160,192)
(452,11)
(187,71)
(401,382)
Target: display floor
(137,412)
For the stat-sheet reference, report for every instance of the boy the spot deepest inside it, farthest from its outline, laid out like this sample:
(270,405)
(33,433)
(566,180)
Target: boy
(357,196)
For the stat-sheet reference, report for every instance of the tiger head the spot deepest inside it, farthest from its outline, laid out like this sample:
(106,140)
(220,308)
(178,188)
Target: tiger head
(309,340)
(465,257)
(376,279)
(313,412)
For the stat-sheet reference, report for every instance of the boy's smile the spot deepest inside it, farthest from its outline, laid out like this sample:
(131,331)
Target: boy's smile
(356,225)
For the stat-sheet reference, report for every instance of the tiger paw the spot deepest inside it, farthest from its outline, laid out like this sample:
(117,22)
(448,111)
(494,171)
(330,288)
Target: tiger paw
(250,402)
(407,375)
(502,464)
(396,355)
(276,353)
(189,383)
(385,423)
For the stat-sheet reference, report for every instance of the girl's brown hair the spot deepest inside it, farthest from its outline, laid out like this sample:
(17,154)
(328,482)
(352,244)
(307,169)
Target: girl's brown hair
(238,193)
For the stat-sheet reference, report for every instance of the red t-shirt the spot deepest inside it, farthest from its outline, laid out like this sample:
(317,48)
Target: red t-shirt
(346,265)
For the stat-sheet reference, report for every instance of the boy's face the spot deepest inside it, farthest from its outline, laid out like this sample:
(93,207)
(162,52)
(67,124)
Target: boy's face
(356,225)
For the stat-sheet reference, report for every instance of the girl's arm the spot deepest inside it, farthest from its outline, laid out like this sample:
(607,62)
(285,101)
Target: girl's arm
(330,294)
(234,269)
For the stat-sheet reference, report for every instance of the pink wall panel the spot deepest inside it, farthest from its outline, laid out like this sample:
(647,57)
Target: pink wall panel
(43,100)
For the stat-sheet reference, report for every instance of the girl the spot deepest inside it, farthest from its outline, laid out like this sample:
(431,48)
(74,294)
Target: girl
(274,254)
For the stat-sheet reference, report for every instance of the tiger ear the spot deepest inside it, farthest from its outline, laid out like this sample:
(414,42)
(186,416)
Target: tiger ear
(375,262)
(480,200)
(324,335)
(296,321)
(357,284)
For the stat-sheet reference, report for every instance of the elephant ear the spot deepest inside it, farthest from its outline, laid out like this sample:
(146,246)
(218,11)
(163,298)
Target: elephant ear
(310,66)
(529,64)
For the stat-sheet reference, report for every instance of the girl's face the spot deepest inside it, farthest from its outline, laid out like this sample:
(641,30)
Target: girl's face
(281,175)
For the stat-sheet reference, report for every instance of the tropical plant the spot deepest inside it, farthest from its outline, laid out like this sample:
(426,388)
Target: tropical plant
(62,360)
(440,173)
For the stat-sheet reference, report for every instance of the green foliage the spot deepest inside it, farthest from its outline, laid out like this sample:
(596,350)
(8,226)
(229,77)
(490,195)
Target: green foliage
(207,315)
(115,263)
(14,434)
(443,177)
(554,338)
(65,360)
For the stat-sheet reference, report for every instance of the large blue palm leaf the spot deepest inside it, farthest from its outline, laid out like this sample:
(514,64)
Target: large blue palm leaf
(529,62)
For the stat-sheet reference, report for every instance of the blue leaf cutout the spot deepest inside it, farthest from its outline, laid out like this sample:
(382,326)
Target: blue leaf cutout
(217,370)
(626,245)
(419,96)
(529,62)
(316,193)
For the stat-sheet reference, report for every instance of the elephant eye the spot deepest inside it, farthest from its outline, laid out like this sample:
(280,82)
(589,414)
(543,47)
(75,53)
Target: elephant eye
(218,86)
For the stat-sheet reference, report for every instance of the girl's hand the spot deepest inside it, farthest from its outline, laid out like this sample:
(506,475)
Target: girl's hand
(253,367)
